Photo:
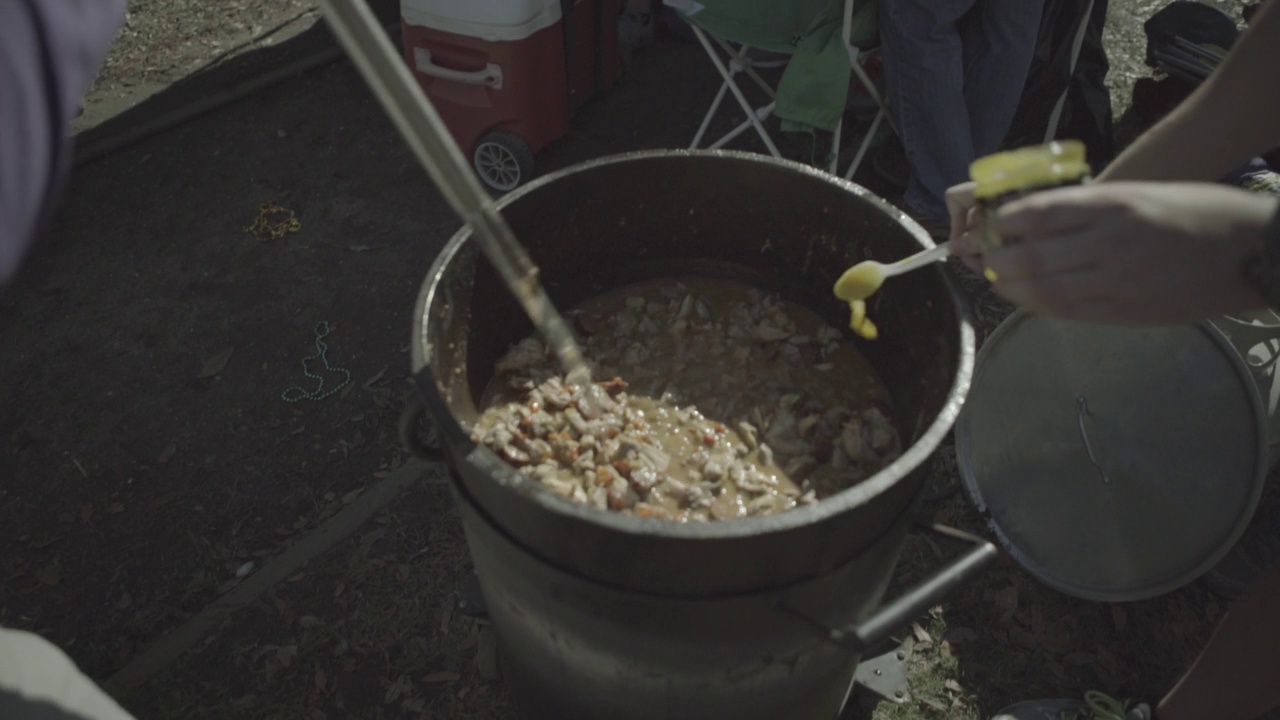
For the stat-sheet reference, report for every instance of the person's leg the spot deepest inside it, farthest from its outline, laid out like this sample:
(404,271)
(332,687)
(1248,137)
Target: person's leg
(1237,676)
(924,80)
(999,42)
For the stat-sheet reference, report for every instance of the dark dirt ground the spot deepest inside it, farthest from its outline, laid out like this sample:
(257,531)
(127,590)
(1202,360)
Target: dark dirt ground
(134,489)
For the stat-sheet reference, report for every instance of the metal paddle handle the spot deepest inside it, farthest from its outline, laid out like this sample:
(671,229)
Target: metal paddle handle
(377,60)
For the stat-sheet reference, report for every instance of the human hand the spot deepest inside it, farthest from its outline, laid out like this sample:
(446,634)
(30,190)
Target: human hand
(962,209)
(1131,253)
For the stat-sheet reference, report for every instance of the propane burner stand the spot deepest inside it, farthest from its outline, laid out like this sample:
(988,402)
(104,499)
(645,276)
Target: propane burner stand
(603,615)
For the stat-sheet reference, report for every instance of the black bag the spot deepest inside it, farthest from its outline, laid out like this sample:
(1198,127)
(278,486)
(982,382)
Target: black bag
(1086,115)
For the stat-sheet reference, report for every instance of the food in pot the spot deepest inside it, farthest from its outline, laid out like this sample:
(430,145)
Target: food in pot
(721,401)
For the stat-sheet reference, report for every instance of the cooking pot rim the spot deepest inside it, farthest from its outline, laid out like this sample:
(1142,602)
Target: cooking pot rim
(795,518)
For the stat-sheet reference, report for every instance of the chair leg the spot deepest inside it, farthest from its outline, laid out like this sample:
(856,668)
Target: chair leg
(711,113)
(763,113)
(737,92)
(833,165)
(1051,130)
(746,65)
(866,144)
(870,87)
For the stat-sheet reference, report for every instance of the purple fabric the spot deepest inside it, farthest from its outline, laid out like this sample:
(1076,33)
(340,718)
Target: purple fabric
(50,51)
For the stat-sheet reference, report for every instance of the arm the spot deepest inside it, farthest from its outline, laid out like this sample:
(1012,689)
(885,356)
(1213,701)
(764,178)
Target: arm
(1132,252)
(49,53)
(1232,116)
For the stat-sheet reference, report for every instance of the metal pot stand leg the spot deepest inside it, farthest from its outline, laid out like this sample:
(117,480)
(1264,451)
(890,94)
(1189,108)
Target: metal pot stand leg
(884,671)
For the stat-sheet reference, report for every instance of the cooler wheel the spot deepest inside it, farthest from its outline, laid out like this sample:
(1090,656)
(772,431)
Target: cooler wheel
(503,160)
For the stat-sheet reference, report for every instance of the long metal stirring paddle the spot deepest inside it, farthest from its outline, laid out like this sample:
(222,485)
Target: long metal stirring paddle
(384,71)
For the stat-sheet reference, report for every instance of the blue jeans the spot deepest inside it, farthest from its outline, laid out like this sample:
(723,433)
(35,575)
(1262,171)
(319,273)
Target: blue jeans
(954,72)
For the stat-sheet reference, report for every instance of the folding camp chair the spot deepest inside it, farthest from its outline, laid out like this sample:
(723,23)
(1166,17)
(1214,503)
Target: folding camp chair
(861,38)
(1077,43)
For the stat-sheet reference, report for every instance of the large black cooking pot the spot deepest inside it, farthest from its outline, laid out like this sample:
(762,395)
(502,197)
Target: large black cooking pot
(605,615)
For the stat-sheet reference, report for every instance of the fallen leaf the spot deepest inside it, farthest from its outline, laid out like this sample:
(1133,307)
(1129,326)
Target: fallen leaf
(934,704)
(358,248)
(346,499)
(398,688)
(215,364)
(1024,639)
(1037,622)
(163,500)
(320,679)
(443,676)
(1108,666)
(286,655)
(116,508)
(86,512)
(42,544)
(920,633)
(124,602)
(368,384)
(446,617)
(50,574)
(953,686)
(167,453)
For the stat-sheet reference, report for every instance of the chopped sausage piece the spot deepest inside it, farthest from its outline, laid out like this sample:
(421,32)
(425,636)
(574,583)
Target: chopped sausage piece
(714,401)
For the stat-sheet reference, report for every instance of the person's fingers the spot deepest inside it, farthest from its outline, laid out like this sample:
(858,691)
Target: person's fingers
(1076,295)
(1054,211)
(968,250)
(966,243)
(1036,258)
(974,263)
(960,202)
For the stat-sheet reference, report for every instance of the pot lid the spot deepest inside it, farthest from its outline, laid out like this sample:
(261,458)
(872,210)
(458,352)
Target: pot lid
(1114,463)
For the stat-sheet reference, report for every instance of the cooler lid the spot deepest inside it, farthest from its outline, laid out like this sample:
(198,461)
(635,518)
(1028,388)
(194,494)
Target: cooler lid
(1114,463)
(491,20)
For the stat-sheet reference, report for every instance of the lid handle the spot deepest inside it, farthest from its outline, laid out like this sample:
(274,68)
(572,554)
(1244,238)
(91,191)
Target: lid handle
(1084,436)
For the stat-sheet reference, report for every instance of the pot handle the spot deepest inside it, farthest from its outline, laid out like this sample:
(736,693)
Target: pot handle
(916,601)
(415,412)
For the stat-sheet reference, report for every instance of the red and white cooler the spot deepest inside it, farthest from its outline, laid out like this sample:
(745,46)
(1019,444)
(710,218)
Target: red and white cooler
(506,75)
